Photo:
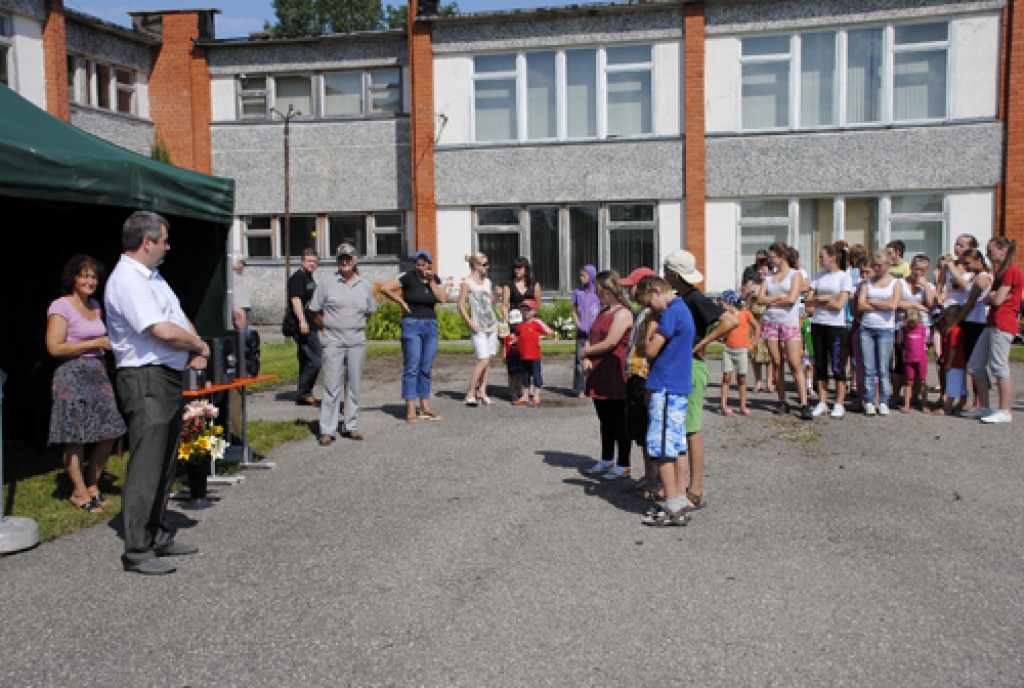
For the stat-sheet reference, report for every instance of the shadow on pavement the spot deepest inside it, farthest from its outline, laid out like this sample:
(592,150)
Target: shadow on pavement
(175,520)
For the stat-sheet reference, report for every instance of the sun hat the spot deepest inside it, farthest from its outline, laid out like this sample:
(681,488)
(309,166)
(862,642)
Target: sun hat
(732,298)
(636,276)
(685,265)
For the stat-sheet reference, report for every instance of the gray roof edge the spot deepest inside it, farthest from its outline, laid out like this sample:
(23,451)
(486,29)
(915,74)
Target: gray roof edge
(557,11)
(109,27)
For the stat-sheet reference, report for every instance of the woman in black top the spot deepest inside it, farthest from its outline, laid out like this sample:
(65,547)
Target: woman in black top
(521,287)
(417,291)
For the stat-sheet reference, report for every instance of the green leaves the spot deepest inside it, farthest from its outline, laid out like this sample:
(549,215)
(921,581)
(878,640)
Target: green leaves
(316,17)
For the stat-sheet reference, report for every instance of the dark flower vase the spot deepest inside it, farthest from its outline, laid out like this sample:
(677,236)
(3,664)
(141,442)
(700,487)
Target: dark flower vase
(197,475)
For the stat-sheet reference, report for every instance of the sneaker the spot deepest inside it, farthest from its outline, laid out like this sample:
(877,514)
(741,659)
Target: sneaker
(599,467)
(869,409)
(617,473)
(838,411)
(782,409)
(821,409)
(998,417)
(977,414)
(666,517)
(883,409)
(806,413)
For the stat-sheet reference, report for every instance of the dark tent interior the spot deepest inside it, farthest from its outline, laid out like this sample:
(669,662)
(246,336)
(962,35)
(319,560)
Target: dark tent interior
(65,192)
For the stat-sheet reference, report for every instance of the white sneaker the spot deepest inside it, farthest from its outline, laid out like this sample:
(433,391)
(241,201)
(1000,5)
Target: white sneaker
(617,473)
(977,413)
(883,409)
(998,417)
(869,409)
(820,410)
(599,467)
(838,411)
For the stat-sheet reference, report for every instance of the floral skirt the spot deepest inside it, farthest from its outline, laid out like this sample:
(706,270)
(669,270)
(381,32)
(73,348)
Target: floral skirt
(84,409)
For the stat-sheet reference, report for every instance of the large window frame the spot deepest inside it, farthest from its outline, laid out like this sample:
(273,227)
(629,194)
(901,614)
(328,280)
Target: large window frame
(895,47)
(609,220)
(894,209)
(520,73)
(102,84)
(374,89)
(375,231)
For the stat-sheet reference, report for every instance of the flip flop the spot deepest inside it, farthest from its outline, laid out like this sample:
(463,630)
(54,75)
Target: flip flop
(728,413)
(470,401)
(88,505)
(745,412)
(486,401)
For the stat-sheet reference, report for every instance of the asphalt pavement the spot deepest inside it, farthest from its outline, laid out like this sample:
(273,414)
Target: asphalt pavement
(473,551)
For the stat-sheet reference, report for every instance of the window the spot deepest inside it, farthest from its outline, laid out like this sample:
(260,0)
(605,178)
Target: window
(125,91)
(816,221)
(919,222)
(795,81)
(357,94)
(252,97)
(259,238)
(303,235)
(388,235)
(559,240)
(295,92)
(762,223)
(377,235)
(103,86)
(631,232)
(5,49)
(628,78)
(346,229)
(861,223)
(494,92)
(560,89)
(73,94)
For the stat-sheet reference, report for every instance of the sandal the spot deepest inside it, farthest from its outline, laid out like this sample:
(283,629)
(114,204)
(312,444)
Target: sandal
(519,402)
(88,505)
(326,440)
(470,401)
(697,501)
(429,415)
(728,413)
(100,500)
(666,517)
(486,400)
(744,412)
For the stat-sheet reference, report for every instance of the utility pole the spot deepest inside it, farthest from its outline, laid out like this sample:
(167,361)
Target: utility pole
(292,112)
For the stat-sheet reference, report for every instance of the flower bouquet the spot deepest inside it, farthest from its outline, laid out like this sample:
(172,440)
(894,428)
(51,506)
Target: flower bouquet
(202,441)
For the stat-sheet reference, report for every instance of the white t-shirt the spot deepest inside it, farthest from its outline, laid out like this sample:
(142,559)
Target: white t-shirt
(828,283)
(880,320)
(782,315)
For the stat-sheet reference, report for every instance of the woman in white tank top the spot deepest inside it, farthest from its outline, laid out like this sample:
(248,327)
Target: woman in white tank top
(780,294)
(476,291)
(973,311)
(877,304)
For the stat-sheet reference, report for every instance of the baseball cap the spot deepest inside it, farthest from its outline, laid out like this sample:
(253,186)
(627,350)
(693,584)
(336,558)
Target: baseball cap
(424,255)
(515,318)
(732,298)
(346,250)
(636,276)
(529,303)
(685,265)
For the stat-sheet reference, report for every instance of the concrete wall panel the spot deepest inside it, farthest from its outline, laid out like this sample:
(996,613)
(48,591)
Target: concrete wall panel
(971,212)
(35,9)
(29,72)
(339,166)
(93,42)
(975,66)
(623,170)
(668,88)
(379,50)
(454,242)
(720,97)
(132,133)
(721,246)
(222,98)
(453,96)
(942,157)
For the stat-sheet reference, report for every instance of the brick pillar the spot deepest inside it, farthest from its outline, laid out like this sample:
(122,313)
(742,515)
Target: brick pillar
(55,61)
(694,155)
(179,92)
(421,68)
(1012,224)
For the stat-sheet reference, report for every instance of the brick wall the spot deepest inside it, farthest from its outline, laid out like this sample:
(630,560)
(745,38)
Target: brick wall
(694,152)
(1012,224)
(179,93)
(55,52)
(421,64)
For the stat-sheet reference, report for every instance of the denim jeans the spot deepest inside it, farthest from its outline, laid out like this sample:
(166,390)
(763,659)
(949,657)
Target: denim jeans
(579,380)
(310,353)
(876,350)
(346,362)
(419,347)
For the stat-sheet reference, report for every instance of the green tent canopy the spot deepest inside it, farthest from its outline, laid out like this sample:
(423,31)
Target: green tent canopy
(43,158)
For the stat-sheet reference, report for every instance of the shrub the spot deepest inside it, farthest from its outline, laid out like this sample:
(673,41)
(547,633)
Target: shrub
(558,316)
(386,323)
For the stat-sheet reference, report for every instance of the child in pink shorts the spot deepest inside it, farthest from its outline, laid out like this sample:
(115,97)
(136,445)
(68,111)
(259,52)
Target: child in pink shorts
(915,360)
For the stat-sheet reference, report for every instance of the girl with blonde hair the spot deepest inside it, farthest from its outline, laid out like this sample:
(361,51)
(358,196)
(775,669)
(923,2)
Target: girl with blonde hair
(476,293)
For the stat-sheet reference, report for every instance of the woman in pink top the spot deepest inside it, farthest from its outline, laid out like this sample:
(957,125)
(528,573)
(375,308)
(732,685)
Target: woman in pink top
(84,411)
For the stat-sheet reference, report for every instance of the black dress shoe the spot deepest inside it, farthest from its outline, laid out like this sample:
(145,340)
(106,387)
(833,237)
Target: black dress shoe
(176,549)
(149,567)
(352,435)
(306,401)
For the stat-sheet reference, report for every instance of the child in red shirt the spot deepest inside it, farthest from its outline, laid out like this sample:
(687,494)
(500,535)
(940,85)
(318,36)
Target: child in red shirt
(529,335)
(954,360)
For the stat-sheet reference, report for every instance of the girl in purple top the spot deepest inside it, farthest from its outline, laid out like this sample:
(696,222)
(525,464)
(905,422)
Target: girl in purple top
(585,307)
(84,411)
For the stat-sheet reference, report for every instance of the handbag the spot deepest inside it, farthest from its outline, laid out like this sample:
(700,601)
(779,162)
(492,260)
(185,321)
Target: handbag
(290,324)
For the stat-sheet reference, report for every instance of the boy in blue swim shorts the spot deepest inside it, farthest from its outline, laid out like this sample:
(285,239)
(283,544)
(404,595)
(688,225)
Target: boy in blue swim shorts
(670,382)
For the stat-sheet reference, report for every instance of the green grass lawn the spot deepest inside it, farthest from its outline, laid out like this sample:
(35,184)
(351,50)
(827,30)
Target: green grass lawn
(37,485)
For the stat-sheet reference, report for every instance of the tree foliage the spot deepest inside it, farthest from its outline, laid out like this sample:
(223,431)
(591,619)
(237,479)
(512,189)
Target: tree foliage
(316,17)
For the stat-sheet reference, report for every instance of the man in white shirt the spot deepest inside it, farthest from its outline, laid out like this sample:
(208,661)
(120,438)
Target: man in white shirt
(153,343)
